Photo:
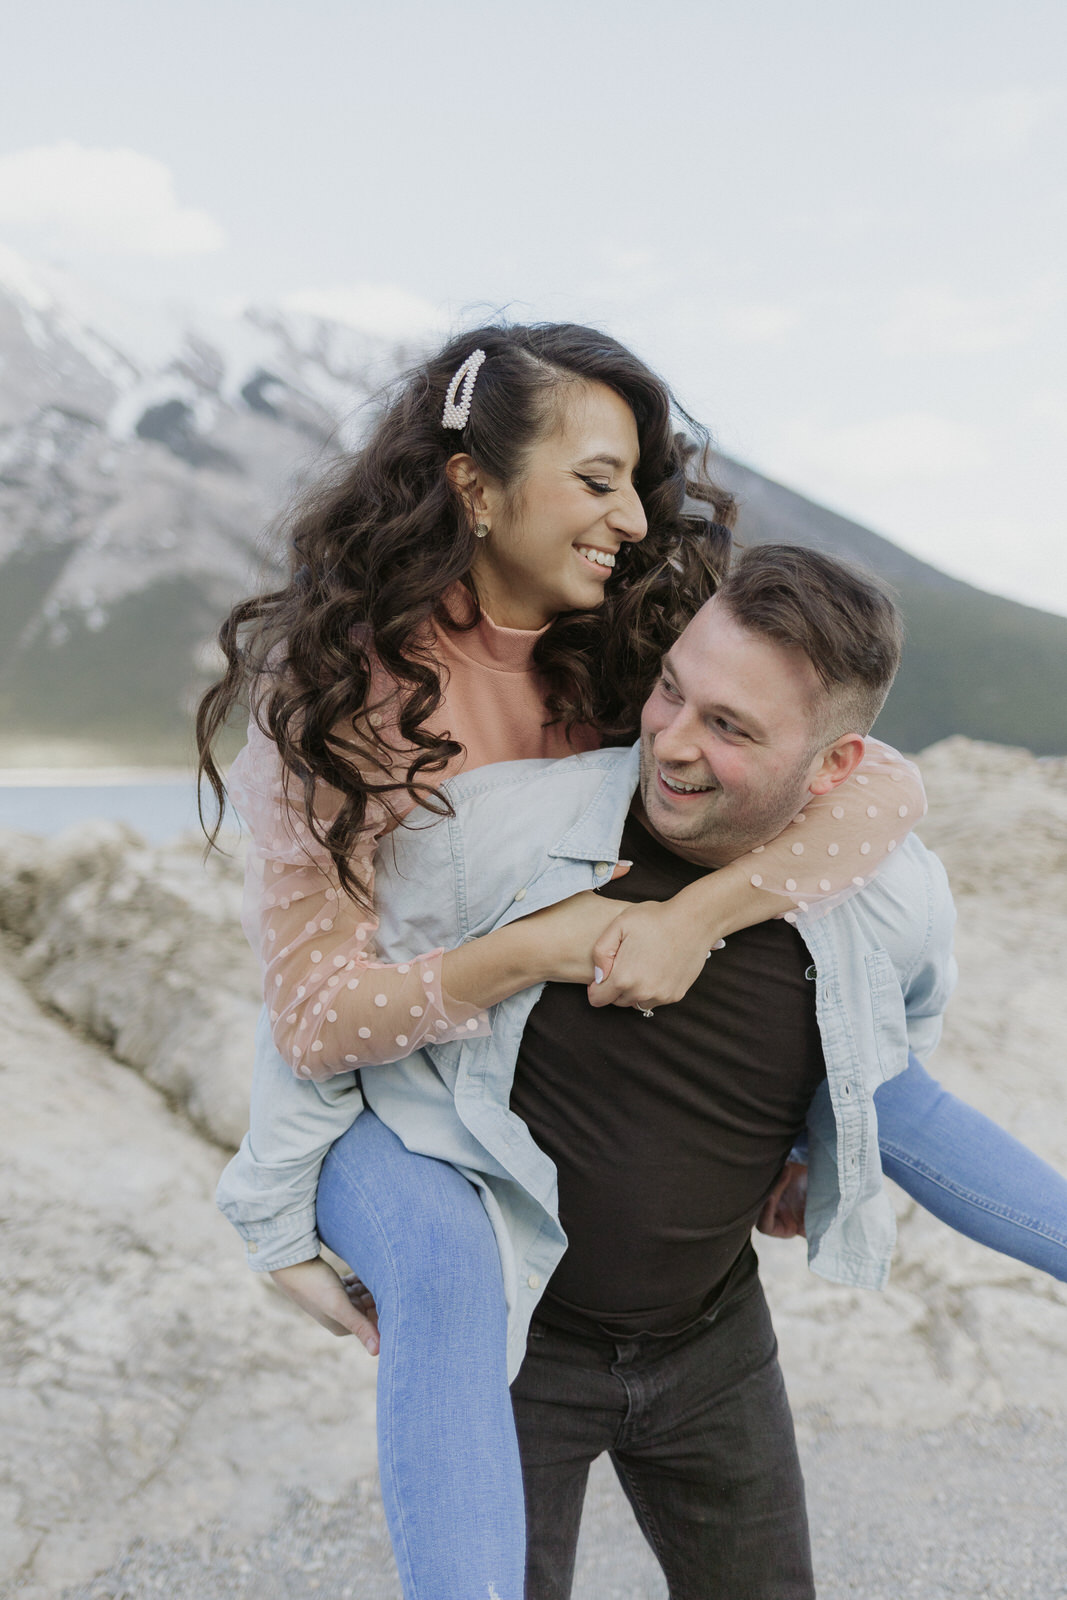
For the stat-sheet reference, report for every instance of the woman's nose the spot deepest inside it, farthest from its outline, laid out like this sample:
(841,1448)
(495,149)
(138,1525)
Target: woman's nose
(627,517)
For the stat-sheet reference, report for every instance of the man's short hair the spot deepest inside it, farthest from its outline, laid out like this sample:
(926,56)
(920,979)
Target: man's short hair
(841,618)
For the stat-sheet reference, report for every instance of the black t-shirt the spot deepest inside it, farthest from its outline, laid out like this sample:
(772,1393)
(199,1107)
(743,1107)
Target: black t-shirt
(668,1132)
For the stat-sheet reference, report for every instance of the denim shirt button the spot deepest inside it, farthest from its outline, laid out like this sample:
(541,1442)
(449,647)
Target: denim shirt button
(534,1281)
(253,1248)
(601,868)
(520,894)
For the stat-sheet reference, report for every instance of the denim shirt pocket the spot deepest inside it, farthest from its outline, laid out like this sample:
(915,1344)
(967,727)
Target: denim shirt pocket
(887,1009)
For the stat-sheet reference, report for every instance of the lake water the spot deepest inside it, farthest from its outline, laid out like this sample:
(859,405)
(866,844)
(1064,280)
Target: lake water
(159,808)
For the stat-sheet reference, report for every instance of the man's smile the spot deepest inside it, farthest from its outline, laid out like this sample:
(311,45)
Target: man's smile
(676,786)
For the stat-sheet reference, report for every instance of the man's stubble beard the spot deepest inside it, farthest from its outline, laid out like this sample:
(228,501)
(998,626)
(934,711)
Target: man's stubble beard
(715,838)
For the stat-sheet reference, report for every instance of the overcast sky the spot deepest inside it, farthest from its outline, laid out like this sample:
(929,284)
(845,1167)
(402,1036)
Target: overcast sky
(837,227)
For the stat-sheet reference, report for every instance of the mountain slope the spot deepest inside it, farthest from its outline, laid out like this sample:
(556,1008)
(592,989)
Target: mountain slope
(145,456)
(974,664)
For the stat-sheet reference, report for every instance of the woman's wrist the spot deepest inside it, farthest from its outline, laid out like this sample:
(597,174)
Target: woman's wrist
(486,970)
(725,900)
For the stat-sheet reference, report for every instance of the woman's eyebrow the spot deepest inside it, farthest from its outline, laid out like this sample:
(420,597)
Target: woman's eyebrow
(602,460)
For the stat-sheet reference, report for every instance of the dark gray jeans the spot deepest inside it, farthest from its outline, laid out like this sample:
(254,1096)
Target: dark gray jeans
(699,1431)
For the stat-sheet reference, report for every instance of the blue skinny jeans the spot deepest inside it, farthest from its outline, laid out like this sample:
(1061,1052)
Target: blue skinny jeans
(965,1170)
(417,1234)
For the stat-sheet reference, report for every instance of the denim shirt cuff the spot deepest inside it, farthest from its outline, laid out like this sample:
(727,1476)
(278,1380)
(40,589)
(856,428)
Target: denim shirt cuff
(280,1241)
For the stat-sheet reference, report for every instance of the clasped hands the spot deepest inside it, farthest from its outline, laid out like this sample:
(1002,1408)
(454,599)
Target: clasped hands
(646,957)
(638,955)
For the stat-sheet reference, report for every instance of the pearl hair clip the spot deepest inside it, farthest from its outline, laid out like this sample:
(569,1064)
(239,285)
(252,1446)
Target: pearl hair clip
(457,410)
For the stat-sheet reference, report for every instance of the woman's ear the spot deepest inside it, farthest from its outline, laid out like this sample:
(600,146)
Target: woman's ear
(461,472)
(463,475)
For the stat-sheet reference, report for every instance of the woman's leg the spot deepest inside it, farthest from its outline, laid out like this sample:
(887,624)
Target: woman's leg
(971,1174)
(417,1234)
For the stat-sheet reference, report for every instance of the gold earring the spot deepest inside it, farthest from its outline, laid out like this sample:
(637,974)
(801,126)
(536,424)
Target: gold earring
(481,530)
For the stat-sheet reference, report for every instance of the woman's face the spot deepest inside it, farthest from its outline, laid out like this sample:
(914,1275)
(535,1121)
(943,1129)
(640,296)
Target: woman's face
(553,541)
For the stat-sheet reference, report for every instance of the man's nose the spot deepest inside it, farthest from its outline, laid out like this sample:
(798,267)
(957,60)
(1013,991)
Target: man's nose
(676,744)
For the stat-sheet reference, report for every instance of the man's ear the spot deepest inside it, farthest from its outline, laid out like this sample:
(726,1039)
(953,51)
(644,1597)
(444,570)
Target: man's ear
(837,762)
(462,473)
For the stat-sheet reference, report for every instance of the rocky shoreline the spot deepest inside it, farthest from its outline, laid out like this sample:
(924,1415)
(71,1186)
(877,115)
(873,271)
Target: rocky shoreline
(159,1398)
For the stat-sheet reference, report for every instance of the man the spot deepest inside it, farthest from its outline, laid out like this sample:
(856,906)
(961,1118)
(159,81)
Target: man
(668,1131)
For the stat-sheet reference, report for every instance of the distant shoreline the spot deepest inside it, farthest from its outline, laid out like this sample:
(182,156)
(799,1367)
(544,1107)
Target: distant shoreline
(90,777)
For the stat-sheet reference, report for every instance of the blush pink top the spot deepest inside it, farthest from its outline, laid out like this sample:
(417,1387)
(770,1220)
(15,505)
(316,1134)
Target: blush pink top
(333,1006)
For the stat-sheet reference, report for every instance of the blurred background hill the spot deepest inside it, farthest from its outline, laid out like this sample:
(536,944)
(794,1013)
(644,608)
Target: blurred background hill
(145,455)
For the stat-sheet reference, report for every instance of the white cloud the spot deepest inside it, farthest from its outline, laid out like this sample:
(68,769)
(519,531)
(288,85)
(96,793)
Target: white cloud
(913,447)
(1048,409)
(632,262)
(756,323)
(106,201)
(380,308)
(626,277)
(938,321)
(995,126)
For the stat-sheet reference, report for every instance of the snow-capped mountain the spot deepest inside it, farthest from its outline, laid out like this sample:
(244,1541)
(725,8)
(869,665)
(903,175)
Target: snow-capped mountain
(146,453)
(143,452)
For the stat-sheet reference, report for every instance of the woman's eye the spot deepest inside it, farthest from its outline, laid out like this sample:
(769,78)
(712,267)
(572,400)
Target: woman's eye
(595,484)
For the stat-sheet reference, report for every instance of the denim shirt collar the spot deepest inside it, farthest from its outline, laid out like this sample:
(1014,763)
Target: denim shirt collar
(597,831)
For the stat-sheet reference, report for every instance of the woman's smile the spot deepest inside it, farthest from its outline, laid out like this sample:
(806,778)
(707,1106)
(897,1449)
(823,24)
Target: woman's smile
(591,554)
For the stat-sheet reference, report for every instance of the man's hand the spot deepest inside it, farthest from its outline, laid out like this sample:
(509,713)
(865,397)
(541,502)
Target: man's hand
(340,1305)
(650,956)
(782,1216)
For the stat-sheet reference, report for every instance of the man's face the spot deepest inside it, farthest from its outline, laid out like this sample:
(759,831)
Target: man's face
(726,740)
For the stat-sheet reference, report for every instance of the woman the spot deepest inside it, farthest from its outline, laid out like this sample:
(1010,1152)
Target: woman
(516,519)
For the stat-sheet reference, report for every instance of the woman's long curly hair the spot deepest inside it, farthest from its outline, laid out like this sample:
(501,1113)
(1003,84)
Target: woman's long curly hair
(375,550)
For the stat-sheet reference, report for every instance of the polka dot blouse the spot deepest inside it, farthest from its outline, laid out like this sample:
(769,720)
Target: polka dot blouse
(334,1006)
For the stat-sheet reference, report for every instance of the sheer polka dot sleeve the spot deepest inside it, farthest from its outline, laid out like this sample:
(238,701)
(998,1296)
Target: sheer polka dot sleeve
(333,1005)
(839,841)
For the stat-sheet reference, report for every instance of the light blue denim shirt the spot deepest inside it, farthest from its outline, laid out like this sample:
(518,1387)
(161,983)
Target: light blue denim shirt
(526,834)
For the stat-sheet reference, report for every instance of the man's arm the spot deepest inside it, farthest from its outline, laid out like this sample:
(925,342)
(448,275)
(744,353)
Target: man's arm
(268,1190)
(926,988)
(929,984)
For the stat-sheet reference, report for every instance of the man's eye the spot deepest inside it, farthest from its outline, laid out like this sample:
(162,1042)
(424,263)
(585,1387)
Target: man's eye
(667,686)
(729,728)
(595,484)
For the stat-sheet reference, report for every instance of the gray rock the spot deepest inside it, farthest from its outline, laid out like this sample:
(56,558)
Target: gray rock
(141,948)
(161,1406)
(149,1384)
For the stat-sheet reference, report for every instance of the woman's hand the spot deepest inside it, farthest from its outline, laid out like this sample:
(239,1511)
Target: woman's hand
(340,1305)
(563,936)
(650,956)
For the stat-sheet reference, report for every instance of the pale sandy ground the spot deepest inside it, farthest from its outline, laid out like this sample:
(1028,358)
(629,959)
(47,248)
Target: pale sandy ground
(172,1427)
